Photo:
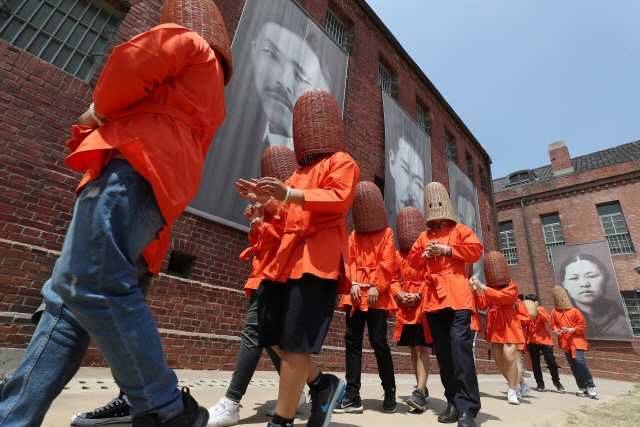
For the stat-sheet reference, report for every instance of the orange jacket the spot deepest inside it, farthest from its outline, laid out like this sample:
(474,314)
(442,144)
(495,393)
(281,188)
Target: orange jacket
(446,276)
(164,94)
(409,280)
(538,333)
(503,326)
(263,245)
(476,323)
(571,318)
(525,318)
(373,262)
(315,239)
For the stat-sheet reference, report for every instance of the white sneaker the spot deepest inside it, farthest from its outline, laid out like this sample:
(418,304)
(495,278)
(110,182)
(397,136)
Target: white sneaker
(220,415)
(303,399)
(512,397)
(524,389)
(518,391)
(593,393)
(582,392)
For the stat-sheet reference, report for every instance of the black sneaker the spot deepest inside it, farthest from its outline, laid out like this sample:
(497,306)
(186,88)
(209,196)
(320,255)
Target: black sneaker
(193,415)
(449,416)
(389,404)
(418,400)
(559,386)
(349,404)
(323,403)
(116,411)
(539,387)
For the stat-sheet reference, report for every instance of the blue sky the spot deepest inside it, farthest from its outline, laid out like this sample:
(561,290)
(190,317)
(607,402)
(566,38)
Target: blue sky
(523,74)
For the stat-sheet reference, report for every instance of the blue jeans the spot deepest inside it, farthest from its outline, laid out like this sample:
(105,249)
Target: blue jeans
(93,294)
(580,370)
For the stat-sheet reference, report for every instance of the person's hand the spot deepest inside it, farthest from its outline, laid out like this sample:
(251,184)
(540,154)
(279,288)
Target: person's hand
(251,213)
(355,294)
(568,330)
(249,191)
(372,296)
(86,119)
(402,297)
(272,187)
(424,255)
(557,331)
(435,249)
(477,284)
(412,300)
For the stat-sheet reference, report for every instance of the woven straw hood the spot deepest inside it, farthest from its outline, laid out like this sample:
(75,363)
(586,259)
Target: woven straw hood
(437,204)
(278,162)
(368,209)
(561,299)
(317,125)
(532,308)
(496,269)
(409,225)
(202,17)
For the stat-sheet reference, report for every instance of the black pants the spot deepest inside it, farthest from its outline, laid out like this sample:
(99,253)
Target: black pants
(452,335)
(547,352)
(377,321)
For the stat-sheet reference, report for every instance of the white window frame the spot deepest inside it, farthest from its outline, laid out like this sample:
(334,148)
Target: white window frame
(614,227)
(508,246)
(384,79)
(553,236)
(421,117)
(336,28)
(631,300)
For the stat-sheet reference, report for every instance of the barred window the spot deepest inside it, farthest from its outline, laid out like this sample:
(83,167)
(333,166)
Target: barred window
(470,171)
(337,29)
(508,243)
(451,147)
(384,79)
(483,180)
(73,35)
(632,303)
(615,229)
(420,117)
(552,230)
(423,117)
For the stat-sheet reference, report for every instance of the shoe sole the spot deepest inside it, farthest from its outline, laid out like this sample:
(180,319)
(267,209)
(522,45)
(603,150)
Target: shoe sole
(349,410)
(223,424)
(390,412)
(115,420)
(513,403)
(415,406)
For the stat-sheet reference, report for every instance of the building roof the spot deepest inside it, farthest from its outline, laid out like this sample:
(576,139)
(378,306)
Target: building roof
(599,159)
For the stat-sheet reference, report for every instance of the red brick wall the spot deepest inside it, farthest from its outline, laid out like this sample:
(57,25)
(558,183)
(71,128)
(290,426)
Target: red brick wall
(560,158)
(201,317)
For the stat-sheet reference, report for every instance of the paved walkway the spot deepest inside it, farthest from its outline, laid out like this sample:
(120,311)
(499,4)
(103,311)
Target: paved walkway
(93,387)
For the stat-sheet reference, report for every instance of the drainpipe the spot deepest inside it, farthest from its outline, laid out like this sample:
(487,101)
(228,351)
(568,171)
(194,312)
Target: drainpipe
(533,265)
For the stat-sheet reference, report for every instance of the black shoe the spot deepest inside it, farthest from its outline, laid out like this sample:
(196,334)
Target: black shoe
(193,415)
(559,386)
(418,400)
(540,387)
(350,403)
(323,403)
(449,416)
(116,411)
(466,420)
(389,404)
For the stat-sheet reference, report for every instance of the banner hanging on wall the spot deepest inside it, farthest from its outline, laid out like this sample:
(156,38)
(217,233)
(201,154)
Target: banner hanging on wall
(279,52)
(586,272)
(407,160)
(464,198)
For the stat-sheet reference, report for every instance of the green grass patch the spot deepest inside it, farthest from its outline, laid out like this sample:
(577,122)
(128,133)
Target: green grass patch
(624,411)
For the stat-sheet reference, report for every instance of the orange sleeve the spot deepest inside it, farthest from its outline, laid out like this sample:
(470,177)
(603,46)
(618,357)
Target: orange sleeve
(353,258)
(554,320)
(481,301)
(578,321)
(137,66)
(506,296)
(383,275)
(336,194)
(543,315)
(397,279)
(523,314)
(417,249)
(468,248)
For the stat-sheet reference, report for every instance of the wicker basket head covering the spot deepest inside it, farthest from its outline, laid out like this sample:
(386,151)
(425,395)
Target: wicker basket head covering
(532,308)
(317,125)
(368,209)
(278,162)
(437,204)
(496,269)
(561,299)
(409,224)
(202,17)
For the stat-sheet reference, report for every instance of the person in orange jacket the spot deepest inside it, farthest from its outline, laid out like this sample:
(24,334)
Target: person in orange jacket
(539,341)
(412,329)
(368,300)
(476,322)
(142,143)
(296,297)
(569,325)
(504,330)
(525,318)
(440,253)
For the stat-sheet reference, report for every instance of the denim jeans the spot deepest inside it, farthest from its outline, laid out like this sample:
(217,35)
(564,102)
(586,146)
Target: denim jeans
(580,370)
(249,353)
(94,294)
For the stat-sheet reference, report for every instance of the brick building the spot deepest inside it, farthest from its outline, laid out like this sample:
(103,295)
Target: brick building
(51,55)
(571,201)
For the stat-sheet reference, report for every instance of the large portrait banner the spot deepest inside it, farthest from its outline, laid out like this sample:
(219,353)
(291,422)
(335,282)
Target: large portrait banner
(407,161)
(586,272)
(279,52)
(464,198)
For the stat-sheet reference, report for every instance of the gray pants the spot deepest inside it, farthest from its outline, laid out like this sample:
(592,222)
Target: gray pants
(249,354)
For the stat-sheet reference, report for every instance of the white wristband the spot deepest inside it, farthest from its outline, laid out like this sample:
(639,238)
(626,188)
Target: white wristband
(254,221)
(287,196)
(92,111)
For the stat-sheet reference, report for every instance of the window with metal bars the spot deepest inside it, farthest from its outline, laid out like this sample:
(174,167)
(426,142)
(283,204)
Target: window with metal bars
(508,243)
(384,79)
(552,230)
(632,304)
(451,147)
(615,229)
(470,170)
(72,35)
(423,117)
(483,180)
(337,29)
